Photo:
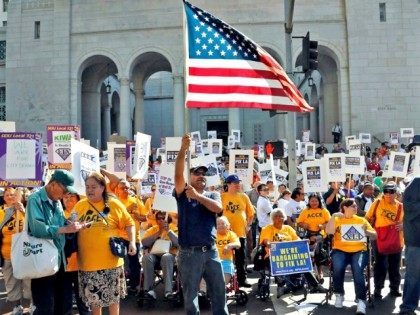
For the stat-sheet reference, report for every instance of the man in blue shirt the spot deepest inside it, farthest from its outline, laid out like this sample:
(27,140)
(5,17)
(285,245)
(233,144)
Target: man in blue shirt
(198,257)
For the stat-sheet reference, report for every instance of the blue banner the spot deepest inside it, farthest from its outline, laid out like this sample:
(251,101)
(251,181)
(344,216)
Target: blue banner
(290,257)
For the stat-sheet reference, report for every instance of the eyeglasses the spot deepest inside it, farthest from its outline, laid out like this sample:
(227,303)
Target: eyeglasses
(154,189)
(353,205)
(389,191)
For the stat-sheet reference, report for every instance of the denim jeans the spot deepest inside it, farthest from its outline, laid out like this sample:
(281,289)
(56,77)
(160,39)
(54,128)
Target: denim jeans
(194,264)
(358,261)
(134,266)
(411,292)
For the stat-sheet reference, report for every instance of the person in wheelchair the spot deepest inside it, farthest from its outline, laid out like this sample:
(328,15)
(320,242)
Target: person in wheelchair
(226,241)
(279,232)
(160,243)
(313,220)
(349,247)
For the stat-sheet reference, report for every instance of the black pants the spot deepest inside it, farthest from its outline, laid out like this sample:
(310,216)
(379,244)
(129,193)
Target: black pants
(48,294)
(71,284)
(383,264)
(240,261)
(134,266)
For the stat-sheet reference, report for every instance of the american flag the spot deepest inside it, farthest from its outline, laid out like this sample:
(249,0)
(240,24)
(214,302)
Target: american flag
(227,69)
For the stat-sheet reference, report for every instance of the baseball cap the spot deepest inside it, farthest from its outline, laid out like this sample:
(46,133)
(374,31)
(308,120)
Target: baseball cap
(66,179)
(200,167)
(232,179)
(390,186)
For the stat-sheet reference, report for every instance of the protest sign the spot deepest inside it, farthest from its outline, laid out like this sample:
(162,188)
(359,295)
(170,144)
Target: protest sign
(305,135)
(85,141)
(354,164)
(116,159)
(314,176)
(335,167)
(216,147)
(211,134)
(231,142)
(398,164)
(355,147)
(265,172)
(297,148)
(407,132)
(237,135)
(173,144)
(353,233)
(103,160)
(198,149)
(196,136)
(310,151)
(212,175)
(393,138)
(147,183)
(365,138)
(164,201)
(289,258)
(386,172)
(280,176)
(162,153)
(348,138)
(130,148)
(84,160)
(205,146)
(7,126)
(20,159)
(241,164)
(59,144)
(141,155)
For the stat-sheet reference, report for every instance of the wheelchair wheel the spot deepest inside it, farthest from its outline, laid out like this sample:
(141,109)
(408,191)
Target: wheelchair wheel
(264,292)
(241,298)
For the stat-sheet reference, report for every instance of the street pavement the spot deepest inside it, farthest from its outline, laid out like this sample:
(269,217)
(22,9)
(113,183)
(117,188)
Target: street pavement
(314,304)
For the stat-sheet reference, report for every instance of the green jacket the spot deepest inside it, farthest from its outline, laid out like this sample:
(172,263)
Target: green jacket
(44,220)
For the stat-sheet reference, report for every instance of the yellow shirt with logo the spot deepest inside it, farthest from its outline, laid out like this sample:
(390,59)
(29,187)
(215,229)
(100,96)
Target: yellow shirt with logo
(138,209)
(237,208)
(350,242)
(93,241)
(15,225)
(273,234)
(314,218)
(164,236)
(222,240)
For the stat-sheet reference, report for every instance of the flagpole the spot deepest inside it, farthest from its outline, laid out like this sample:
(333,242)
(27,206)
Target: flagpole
(291,116)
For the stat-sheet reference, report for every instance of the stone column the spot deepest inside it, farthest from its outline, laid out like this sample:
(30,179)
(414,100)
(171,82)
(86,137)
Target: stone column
(125,115)
(313,124)
(234,120)
(305,125)
(179,106)
(91,116)
(106,121)
(321,120)
(139,111)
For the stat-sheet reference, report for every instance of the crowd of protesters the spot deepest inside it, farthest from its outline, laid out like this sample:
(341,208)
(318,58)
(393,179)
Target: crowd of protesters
(212,236)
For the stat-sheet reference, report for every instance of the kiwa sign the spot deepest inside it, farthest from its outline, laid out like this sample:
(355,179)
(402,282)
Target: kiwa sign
(59,145)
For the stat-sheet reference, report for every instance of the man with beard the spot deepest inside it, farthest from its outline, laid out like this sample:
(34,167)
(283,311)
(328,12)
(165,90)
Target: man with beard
(198,257)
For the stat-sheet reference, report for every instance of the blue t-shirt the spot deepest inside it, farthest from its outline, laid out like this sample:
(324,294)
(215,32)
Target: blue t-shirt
(196,224)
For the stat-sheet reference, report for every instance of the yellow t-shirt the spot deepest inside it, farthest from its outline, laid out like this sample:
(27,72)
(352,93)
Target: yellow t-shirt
(273,234)
(314,218)
(15,225)
(72,264)
(138,209)
(237,208)
(349,246)
(93,241)
(222,241)
(164,236)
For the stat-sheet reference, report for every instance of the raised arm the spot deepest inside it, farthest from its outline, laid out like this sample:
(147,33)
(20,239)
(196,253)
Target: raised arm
(179,165)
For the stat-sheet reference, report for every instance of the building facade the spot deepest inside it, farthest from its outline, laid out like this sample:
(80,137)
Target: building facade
(119,66)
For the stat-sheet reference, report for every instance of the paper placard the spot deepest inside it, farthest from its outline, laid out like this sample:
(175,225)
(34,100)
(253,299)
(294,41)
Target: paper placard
(297,147)
(354,164)
(59,145)
(7,126)
(130,148)
(386,172)
(196,136)
(365,138)
(237,135)
(164,201)
(335,167)
(173,144)
(348,138)
(306,135)
(265,172)
(314,176)
(241,164)
(212,175)
(393,137)
(280,176)
(84,160)
(116,159)
(407,132)
(231,142)
(205,146)
(355,147)
(147,183)
(215,147)
(352,233)
(211,134)
(289,257)
(398,164)
(310,151)
(141,155)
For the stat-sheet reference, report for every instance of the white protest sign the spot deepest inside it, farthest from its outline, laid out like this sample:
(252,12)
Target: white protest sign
(116,159)
(85,141)
(280,176)
(241,164)
(310,151)
(398,164)
(162,153)
(173,144)
(205,146)
(20,158)
(164,201)
(305,135)
(302,148)
(386,172)
(211,134)
(348,138)
(196,136)
(141,155)
(393,137)
(212,175)
(84,160)
(355,147)
(231,142)
(314,176)
(146,185)
(236,134)
(407,132)
(297,148)
(335,167)
(352,233)
(7,126)
(215,147)
(265,172)
(103,160)
(365,138)
(354,164)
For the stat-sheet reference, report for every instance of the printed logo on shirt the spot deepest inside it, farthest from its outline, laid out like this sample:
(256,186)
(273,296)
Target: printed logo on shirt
(223,242)
(12,225)
(314,215)
(388,214)
(279,237)
(232,207)
(353,235)
(91,216)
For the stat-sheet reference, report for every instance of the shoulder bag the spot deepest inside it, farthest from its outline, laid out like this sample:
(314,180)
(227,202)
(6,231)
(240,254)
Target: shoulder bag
(388,237)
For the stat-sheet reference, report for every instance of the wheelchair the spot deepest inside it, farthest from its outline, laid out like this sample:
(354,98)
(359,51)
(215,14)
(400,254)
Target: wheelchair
(234,293)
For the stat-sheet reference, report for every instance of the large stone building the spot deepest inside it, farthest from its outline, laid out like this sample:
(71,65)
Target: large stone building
(118,66)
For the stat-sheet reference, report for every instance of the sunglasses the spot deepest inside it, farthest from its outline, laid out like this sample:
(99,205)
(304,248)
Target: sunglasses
(198,173)
(389,191)
(154,189)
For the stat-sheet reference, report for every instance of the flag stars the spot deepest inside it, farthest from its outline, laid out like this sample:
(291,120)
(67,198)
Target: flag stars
(206,19)
(202,23)
(245,54)
(229,47)
(222,41)
(216,35)
(195,16)
(223,53)
(204,47)
(216,47)
(200,13)
(210,53)
(203,34)
(208,29)
(198,53)
(197,28)
(210,41)
(235,53)
(198,41)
